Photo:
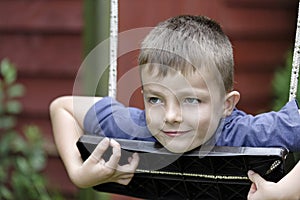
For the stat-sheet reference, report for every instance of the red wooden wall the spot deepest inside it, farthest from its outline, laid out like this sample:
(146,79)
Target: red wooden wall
(44,39)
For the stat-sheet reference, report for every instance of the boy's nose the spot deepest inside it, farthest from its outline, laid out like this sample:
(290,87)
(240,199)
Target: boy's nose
(173,114)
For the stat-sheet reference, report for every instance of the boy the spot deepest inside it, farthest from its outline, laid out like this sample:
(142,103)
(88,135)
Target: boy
(186,68)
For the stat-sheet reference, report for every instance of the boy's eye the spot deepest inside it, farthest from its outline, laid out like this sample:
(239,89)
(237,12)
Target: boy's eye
(154,100)
(192,100)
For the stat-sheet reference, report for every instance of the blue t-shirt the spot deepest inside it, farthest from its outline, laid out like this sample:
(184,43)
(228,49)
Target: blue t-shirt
(110,118)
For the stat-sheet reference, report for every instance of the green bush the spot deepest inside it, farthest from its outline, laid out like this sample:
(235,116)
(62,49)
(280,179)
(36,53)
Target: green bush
(281,83)
(22,155)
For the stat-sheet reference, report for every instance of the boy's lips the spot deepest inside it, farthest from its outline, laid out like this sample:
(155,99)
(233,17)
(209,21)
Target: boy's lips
(174,133)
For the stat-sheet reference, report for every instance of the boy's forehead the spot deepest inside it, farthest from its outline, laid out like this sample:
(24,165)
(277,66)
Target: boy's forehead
(196,78)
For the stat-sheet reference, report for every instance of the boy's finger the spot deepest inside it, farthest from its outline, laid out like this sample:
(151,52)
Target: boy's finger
(131,166)
(134,161)
(124,181)
(255,178)
(100,149)
(116,155)
(252,190)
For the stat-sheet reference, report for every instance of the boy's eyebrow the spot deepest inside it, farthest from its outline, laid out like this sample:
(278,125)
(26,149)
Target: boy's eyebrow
(189,91)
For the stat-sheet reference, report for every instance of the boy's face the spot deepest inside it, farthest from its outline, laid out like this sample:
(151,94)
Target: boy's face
(182,112)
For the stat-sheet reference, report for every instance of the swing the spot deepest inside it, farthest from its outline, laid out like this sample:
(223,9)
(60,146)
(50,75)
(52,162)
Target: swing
(218,173)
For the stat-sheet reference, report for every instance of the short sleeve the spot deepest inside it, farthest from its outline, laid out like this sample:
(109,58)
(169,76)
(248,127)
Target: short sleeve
(271,129)
(110,118)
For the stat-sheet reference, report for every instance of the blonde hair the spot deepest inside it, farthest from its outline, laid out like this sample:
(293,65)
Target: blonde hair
(188,43)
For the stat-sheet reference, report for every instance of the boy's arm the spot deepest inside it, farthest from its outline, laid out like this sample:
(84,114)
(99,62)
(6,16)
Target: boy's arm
(67,116)
(287,188)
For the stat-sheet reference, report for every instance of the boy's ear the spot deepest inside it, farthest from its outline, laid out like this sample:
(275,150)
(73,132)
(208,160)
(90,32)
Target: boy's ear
(231,99)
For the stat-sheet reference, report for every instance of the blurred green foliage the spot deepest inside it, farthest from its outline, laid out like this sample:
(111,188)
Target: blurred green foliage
(281,83)
(22,156)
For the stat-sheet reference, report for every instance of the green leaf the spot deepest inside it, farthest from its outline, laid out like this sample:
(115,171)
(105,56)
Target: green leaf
(3,173)
(5,143)
(1,109)
(16,90)
(8,71)
(5,193)
(37,160)
(32,134)
(1,91)
(7,122)
(21,184)
(13,107)
(19,145)
(22,165)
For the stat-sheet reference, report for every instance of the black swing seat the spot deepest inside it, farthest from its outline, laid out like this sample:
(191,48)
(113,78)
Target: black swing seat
(204,173)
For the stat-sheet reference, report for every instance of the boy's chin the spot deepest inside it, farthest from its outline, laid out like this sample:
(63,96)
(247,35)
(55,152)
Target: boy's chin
(175,147)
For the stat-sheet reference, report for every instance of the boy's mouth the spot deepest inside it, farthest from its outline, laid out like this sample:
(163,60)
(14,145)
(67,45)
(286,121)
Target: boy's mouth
(174,133)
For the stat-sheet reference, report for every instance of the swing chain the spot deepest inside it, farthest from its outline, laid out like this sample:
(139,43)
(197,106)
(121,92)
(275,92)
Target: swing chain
(112,84)
(296,61)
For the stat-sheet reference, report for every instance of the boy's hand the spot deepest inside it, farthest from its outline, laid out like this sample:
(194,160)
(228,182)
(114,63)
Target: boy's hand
(95,170)
(262,189)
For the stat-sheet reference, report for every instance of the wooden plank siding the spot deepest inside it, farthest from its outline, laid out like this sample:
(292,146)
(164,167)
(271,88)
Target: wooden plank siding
(44,40)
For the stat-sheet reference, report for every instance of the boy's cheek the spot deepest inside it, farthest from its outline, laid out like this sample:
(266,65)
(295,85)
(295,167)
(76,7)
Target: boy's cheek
(154,116)
(154,124)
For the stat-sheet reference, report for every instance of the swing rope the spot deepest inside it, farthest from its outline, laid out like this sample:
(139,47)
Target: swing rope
(296,61)
(113,51)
